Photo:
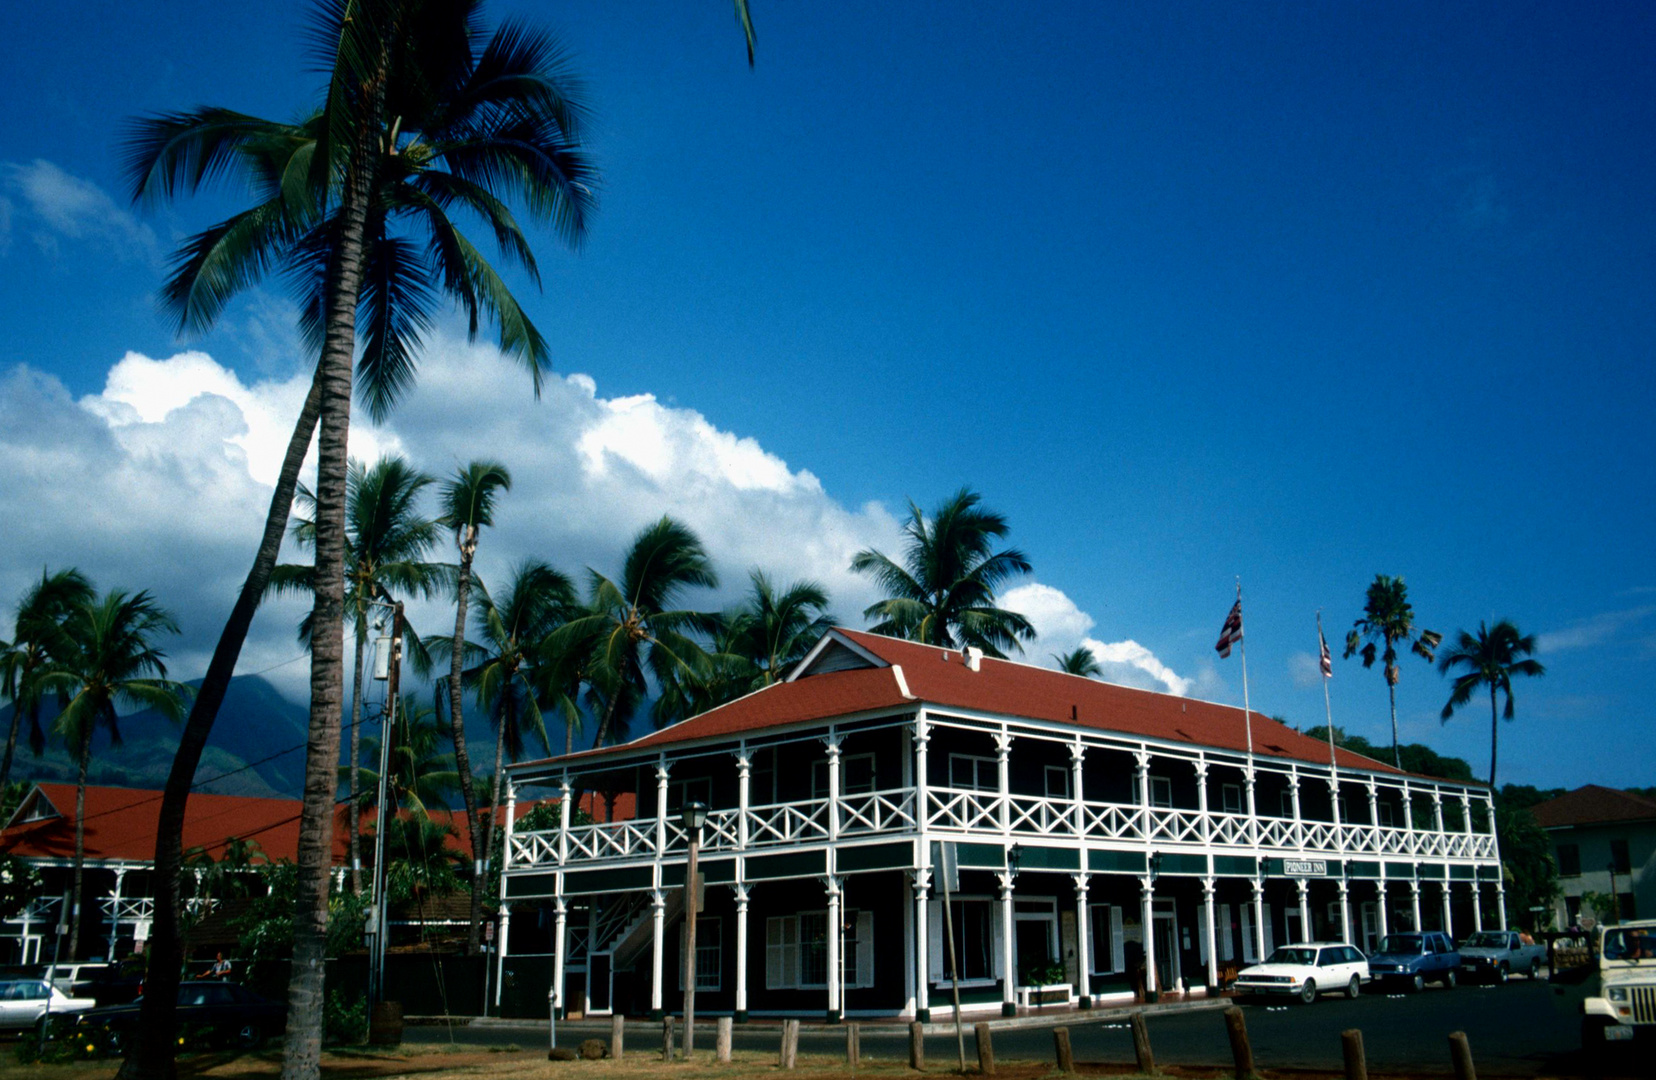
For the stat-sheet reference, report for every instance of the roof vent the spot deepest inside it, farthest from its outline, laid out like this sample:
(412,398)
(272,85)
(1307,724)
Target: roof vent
(974,657)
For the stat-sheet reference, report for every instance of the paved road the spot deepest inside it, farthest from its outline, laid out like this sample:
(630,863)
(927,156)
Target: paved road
(1514,1030)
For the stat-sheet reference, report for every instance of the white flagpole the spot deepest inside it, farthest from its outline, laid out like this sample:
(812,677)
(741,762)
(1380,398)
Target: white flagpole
(1247,715)
(1328,708)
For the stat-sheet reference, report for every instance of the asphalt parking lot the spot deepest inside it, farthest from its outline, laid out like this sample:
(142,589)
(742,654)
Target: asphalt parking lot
(1514,1030)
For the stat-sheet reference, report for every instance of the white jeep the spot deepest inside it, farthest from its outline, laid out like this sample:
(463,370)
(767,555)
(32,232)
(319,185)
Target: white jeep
(1618,986)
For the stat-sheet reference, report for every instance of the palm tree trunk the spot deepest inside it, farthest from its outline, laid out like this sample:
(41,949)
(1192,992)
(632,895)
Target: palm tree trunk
(80,843)
(355,816)
(494,802)
(302,1047)
(1494,734)
(462,760)
(152,1057)
(1397,754)
(11,746)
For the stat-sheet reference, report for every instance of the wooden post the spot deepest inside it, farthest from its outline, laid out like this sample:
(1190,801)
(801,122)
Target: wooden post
(853,1045)
(724,1040)
(1356,1063)
(1242,1050)
(1141,1045)
(618,1035)
(1460,1052)
(917,1046)
(667,1038)
(985,1047)
(1061,1050)
(790,1044)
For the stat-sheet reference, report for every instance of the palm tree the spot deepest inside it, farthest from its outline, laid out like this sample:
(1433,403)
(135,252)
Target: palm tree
(422,115)
(468,500)
(1388,619)
(510,631)
(631,628)
(421,773)
(36,626)
(1491,659)
(386,540)
(1079,661)
(110,661)
(774,628)
(943,592)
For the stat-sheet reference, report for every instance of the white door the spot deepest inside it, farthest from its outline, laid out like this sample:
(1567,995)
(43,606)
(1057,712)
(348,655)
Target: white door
(1369,935)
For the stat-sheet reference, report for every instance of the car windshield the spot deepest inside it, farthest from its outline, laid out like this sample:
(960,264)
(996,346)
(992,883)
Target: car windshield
(1632,943)
(1293,956)
(1401,943)
(1487,941)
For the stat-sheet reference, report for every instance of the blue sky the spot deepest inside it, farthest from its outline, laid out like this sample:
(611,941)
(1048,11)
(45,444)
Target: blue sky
(1300,293)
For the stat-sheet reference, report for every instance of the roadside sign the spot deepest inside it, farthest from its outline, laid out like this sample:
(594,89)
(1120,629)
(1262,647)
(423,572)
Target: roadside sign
(1305,867)
(945,861)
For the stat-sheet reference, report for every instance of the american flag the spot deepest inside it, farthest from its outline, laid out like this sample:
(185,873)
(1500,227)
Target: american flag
(1231,633)
(1327,657)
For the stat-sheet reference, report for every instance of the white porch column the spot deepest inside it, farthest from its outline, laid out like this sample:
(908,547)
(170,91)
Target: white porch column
(1147,915)
(1294,798)
(506,829)
(563,819)
(115,912)
(744,779)
(1077,752)
(1202,799)
(661,806)
(922,781)
(658,915)
(741,953)
(1208,888)
(1303,887)
(1408,821)
(1437,810)
(560,950)
(1466,814)
(1083,942)
(1500,905)
(1374,815)
(1414,899)
(1380,905)
(1251,781)
(1141,770)
(922,945)
(1448,919)
(1259,919)
(1477,907)
(835,933)
(1345,912)
(832,745)
(1009,975)
(1003,756)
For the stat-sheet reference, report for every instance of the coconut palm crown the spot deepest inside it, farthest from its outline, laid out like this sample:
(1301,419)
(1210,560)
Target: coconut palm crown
(1489,660)
(943,591)
(1386,622)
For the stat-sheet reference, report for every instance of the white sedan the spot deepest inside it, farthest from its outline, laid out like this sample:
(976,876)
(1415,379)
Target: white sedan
(1306,971)
(24,1001)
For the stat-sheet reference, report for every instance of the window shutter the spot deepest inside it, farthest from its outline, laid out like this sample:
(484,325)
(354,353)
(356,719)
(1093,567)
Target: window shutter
(773,954)
(1118,962)
(1202,943)
(1270,944)
(1227,947)
(1248,955)
(865,948)
(782,952)
(998,943)
(936,960)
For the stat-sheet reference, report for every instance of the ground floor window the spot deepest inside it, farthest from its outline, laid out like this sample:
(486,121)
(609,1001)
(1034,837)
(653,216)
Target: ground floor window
(709,953)
(1106,940)
(977,939)
(796,950)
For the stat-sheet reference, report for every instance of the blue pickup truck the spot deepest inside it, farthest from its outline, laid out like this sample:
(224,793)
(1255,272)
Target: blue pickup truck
(1413,960)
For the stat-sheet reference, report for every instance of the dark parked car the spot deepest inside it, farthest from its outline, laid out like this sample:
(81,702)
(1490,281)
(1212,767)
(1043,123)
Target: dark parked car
(1416,959)
(221,1013)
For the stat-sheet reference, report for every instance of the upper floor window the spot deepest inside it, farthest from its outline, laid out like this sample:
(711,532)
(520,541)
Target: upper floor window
(1569,860)
(1287,804)
(1230,798)
(1057,782)
(1619,857)
(974,773)
(856,776)
(1387,818)
(1161,791)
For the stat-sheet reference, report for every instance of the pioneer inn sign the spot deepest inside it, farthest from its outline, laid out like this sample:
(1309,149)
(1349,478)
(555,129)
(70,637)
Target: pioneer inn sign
(1109,840)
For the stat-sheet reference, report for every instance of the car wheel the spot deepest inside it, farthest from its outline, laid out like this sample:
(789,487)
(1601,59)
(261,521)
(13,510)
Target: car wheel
(1418,983)
(1502,974)
(1354,987)
(249,1037)
(1308,992)
(1450,979)
(1535,969)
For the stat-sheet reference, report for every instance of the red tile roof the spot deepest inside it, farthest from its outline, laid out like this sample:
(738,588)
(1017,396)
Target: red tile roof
(1593,805)
(121,823)
(940,677)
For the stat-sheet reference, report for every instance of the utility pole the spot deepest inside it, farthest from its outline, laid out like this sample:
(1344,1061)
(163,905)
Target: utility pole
(378,918)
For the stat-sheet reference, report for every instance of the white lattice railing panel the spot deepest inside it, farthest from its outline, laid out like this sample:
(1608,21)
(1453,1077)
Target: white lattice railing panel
(877,811)
(38,909)
(718,832)
(1113,821)
(965,810)
(1045,817)
(1232,829)
(788,823)
(1175,826)
(1274,832)
(535,848)
(127,908)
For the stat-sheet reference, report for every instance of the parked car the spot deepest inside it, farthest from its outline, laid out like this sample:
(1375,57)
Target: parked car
(1613,990)
(1496,955)
(1415,959)
(224,1013)
(24,1001)
(1306,971)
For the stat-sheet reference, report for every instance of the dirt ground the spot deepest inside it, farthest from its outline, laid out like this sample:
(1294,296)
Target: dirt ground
(509,1063)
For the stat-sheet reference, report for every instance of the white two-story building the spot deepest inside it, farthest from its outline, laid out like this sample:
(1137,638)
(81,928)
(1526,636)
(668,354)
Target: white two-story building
(1107,837)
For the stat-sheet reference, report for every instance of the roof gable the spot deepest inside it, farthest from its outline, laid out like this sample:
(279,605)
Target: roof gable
(1593,805)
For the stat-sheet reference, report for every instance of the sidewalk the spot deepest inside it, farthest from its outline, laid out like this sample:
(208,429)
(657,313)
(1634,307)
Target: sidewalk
(942,1022)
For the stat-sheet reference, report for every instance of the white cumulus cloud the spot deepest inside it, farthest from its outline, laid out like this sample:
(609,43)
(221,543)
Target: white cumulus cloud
(1062,626)
(55,205)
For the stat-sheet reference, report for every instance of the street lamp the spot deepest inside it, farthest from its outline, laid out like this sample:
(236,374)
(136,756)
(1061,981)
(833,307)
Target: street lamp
(694,816)
(1014,856)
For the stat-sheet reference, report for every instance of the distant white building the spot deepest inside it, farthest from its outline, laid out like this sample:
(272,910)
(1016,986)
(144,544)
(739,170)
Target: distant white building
(1605,842)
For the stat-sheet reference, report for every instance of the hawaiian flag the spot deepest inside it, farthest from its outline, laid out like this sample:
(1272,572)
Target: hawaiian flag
(1327,657)
(1231,633)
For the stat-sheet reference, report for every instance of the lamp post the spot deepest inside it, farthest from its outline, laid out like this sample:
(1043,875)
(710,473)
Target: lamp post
(695,814)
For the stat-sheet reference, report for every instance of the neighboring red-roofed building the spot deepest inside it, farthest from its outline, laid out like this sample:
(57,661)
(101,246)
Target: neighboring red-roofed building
(1604,841)
(1109,839)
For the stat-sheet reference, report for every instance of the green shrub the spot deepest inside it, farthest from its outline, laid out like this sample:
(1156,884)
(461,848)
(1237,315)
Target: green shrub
(344,1023)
